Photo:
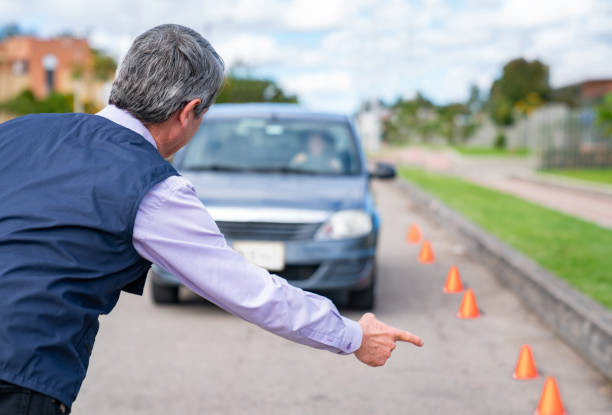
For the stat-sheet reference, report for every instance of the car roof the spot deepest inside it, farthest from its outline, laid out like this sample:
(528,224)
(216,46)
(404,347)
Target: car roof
(272,110)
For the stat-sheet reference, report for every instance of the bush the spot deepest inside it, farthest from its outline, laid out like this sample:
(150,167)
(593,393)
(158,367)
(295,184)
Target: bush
(26,103)
(604,114)
(500,141)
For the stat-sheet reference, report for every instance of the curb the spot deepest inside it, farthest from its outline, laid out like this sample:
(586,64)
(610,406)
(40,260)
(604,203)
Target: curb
(583,324)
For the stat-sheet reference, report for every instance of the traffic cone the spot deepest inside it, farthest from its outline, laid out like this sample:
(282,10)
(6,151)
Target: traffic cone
(525,367)
(426,256)
(414,234)
(468,308)
(453,281)
(550,401)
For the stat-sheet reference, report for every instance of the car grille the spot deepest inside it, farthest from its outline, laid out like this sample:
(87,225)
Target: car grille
(343,267)
(297,272)
(268,231)
(348,266)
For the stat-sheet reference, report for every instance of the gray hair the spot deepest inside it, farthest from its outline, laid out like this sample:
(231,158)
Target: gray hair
(165,68)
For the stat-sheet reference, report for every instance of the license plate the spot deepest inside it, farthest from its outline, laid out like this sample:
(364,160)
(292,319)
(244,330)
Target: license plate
(268,255)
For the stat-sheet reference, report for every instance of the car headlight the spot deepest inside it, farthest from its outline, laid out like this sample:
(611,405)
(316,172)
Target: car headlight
(346,224)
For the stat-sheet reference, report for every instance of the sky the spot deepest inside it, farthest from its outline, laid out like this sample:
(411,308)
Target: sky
(334,54)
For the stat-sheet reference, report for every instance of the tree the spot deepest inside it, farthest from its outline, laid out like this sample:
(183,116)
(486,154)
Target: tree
(447,116)
(522,87)
(474,102)
(242,86)
(410,117)
(421,118)
(104,66)
(604,114)
(470,121)
(500,107)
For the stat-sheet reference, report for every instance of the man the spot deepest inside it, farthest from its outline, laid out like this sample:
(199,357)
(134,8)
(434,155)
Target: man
(87,202)
(320,155)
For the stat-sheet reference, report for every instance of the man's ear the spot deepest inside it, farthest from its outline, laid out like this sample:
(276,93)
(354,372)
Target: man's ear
(184,114)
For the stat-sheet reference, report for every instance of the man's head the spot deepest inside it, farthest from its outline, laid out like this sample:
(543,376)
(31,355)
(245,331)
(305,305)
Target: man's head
(319,142)
(168,79)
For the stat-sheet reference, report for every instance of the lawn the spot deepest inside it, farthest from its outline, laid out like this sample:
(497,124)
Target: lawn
(575,250)
(592,175)
(465,151)
(489,151)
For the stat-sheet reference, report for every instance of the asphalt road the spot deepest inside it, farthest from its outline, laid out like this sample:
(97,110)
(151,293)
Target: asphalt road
(196,359)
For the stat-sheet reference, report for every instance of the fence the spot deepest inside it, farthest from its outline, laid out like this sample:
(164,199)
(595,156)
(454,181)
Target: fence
(574,139)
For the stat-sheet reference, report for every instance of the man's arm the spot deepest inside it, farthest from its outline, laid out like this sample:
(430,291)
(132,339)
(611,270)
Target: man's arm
(175,231)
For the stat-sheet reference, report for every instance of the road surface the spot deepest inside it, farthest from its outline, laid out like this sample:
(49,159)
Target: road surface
(196,359)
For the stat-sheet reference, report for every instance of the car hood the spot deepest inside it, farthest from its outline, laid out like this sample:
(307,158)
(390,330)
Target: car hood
(265,190)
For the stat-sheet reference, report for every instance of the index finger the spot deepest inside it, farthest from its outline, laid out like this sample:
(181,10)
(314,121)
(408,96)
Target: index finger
(406,336)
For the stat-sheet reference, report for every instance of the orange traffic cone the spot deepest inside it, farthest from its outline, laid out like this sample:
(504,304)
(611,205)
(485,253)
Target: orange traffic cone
(550,401)
(414,234)
(525,367)
(468,308)
(426,256)
(453,281)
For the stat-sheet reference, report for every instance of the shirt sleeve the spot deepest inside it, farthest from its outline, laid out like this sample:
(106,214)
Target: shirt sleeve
(174,230)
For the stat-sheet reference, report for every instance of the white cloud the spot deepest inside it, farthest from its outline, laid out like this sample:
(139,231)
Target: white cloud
(322,82)
(315,14)
(334,53)
(324,90)
(249,48)
(582,63)
(530,13)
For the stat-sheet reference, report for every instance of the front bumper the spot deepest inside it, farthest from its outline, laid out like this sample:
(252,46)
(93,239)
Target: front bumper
(317,265)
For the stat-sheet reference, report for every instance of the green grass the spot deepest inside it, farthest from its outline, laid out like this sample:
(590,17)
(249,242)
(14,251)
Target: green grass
(465,151)
(575,250)
(489,151)
(592,175)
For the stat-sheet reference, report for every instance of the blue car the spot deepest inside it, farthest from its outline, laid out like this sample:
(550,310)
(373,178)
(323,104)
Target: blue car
(290,190)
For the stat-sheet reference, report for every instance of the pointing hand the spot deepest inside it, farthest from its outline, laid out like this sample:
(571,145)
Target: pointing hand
(379,339)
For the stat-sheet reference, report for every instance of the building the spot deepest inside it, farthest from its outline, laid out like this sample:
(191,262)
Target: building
(585,93)
(369,123)
(62,64)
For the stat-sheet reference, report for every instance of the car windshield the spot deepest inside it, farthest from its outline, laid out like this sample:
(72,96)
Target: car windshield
(271,145)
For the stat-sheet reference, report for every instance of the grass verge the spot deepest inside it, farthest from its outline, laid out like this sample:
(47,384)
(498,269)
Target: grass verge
(488,151)
(591,175)
(575,250)
(465,151)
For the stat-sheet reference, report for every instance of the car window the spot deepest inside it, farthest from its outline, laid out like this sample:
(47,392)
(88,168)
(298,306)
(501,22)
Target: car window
(270,145)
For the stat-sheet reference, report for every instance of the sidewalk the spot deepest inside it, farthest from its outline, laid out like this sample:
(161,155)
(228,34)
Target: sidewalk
(515,175)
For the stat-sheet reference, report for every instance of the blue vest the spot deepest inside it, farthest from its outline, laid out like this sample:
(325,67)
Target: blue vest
(70,187)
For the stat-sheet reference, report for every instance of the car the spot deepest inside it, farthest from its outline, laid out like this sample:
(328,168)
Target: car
(289,188)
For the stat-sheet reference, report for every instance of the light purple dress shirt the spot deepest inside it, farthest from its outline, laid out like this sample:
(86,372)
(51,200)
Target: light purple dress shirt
(174,230)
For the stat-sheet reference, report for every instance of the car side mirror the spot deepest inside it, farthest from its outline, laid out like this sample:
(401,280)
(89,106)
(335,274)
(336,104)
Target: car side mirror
(383,171)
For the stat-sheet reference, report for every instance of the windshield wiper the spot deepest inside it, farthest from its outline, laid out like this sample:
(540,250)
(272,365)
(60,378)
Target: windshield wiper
(217,167)
(262,169)
(286,169)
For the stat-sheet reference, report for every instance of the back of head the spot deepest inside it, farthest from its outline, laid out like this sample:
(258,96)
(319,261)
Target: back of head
(165,68)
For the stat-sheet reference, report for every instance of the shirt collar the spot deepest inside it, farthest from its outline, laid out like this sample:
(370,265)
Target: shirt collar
(127,120)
